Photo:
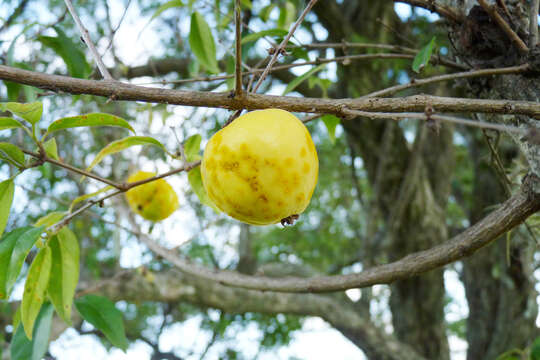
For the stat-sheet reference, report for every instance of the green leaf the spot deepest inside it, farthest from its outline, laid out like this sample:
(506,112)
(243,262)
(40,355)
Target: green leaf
(51,149)
(122,144)
(34,289)
(230,68)
(246,4)
(50,219)
(256,36)
(422,58)
(192,147)
(9,123)
(13,250)
(7,243)
(30,112)
(287,15)
(168,5)
(24,349)
(87,196)
(202,43)
(64,272)
(102,313)
(264,14)
(195,180)
(11,154)
(535,349)
(331,123)
(297,81)
(71,52)
(94,119)
(7,189)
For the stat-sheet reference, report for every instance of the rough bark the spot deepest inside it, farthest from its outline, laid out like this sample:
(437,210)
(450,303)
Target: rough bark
(500,294)
(413,208)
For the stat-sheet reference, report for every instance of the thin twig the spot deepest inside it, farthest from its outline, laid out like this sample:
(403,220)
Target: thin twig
(311,117)
(14,15)
(533,23)
(445,118)
(495,16)
(510,214)
(123,188)
(277,51)
(56,227)
(72,168)
(281,47)
(432,6)
(238,54)
(186,167)
(86,37)
(461,75)
(317,61)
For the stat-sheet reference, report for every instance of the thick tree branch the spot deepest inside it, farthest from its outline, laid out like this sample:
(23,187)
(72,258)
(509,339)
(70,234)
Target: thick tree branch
(510,214)
(497,18)
(173,286)
(340,107)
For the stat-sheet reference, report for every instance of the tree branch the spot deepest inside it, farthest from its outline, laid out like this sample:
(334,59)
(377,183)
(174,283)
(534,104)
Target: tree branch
(461,75)
(339,107)
(494,15)
(14,15)
(173,286)
(281,47)
(510,214)
(238,53)
(86,36)
(432,6)
(533,23)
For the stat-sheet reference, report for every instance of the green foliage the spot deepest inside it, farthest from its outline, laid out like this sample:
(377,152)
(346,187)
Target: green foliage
(202,43)
(256,36)
(7,189)
(102,313)
(23,348)
(424,55)
(51,149)
(94,119)
(300,79)
(88,196)
(50,219)
(192,148)
(14,248)
(64,272)
(168,5)
(331,122)
(35,288)
(9,123)
(196,182)
(69,51)
(123,144)
(11,154)
(30,112)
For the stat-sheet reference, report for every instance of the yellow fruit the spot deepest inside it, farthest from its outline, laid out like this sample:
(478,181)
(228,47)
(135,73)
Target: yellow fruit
(261,168)
(155,200)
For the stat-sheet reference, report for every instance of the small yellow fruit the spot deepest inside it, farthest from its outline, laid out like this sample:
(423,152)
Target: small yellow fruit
(261,168)
(155,200)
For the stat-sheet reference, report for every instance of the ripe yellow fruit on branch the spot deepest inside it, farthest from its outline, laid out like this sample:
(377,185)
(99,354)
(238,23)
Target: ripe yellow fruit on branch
(155,200)
(262,168)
